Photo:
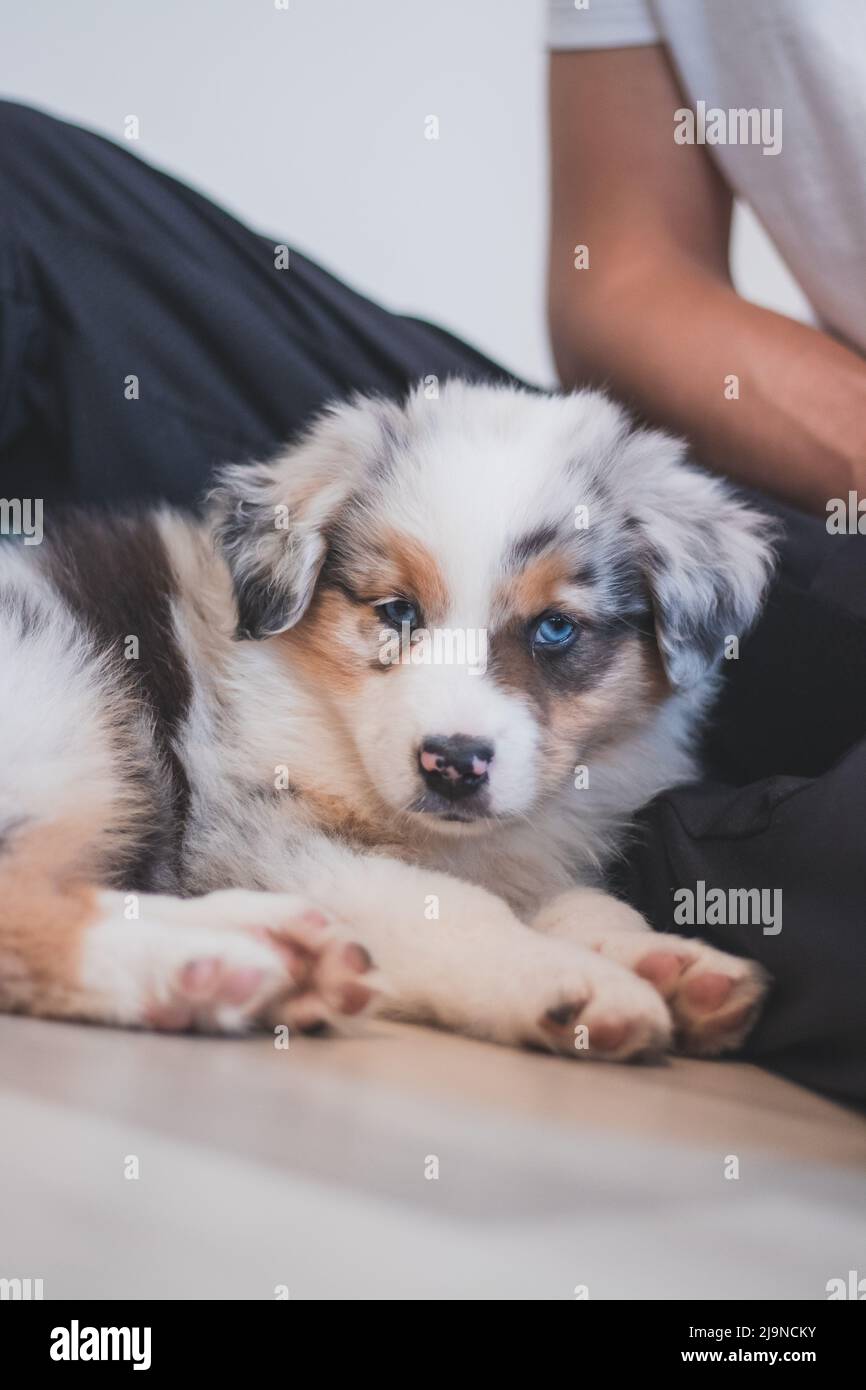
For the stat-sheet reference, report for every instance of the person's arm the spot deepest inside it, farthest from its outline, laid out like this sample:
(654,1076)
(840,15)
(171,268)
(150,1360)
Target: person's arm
(656,317)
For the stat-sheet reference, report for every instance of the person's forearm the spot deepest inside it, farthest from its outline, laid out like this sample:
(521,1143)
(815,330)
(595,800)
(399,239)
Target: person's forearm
(670,340)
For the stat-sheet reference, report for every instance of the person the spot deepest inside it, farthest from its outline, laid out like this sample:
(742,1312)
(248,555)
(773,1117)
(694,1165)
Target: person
(146,337)
(662,112)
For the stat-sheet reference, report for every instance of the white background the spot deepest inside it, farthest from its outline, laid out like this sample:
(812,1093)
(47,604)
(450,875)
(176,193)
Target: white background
(308,123)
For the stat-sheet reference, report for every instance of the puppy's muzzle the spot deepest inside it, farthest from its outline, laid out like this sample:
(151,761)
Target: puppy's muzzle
(455,768)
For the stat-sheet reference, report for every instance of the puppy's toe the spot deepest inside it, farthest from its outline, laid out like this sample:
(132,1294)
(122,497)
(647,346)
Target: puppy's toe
(662,969)
(624,1024)
(714,998)
(716,1004)
(210,981)
(341,985)
(619,1018)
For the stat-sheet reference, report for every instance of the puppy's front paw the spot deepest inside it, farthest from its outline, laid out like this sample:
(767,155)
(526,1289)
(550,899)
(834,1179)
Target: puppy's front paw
(714,998)
(614,1018)
(577,1004)
(234,960)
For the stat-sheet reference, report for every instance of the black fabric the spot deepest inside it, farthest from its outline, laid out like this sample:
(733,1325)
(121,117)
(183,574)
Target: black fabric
(109,269)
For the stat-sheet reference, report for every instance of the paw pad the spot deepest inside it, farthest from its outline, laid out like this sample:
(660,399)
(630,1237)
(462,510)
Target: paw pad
(707,992)
(662,969)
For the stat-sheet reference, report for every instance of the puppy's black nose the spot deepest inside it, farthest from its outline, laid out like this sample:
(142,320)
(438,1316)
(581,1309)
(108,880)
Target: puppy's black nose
(455,767)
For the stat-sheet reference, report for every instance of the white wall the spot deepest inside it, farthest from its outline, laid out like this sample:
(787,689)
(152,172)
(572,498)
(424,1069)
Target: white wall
(309,123)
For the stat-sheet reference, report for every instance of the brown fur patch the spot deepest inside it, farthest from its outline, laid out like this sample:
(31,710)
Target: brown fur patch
(534,588)
(336,816)
(43,915)
(335,645)
(385,563)
(417,575)
(331,645)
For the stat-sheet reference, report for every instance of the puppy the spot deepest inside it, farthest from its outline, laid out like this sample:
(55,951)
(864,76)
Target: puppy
(392,703)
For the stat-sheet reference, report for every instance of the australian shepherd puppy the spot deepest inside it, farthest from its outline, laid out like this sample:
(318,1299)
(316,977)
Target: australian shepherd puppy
(365,737)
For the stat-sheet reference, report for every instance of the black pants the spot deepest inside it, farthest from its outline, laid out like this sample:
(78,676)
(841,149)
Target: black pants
(110,270)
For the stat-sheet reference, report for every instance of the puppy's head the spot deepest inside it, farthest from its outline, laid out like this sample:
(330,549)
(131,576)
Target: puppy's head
(490,588)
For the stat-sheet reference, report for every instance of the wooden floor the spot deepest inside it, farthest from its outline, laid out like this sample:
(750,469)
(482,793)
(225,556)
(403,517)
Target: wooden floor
(312,1170)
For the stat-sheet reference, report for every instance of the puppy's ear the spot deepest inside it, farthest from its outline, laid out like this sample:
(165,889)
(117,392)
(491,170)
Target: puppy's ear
(706,556)
(270,520)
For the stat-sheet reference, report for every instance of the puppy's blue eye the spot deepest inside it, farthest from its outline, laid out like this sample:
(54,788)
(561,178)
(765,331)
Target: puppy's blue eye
(398,612)
(554,633)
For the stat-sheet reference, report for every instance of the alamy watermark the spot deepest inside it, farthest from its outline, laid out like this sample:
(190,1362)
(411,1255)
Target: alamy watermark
(853,1287)
(438,646)
(22,516)
(846,516)
(752,907)
(713,125)
(77,1343)
(21,1290)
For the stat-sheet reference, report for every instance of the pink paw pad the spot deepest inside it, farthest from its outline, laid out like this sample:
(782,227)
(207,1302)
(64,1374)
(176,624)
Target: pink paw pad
(708,992)
(357,958)
(199,978)
(608,1035)
(313,918)
(353,999)
(355,996)
(239,986)
(662,969)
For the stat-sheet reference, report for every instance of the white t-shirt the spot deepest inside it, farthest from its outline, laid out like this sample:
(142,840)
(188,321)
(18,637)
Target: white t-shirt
(785,76)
